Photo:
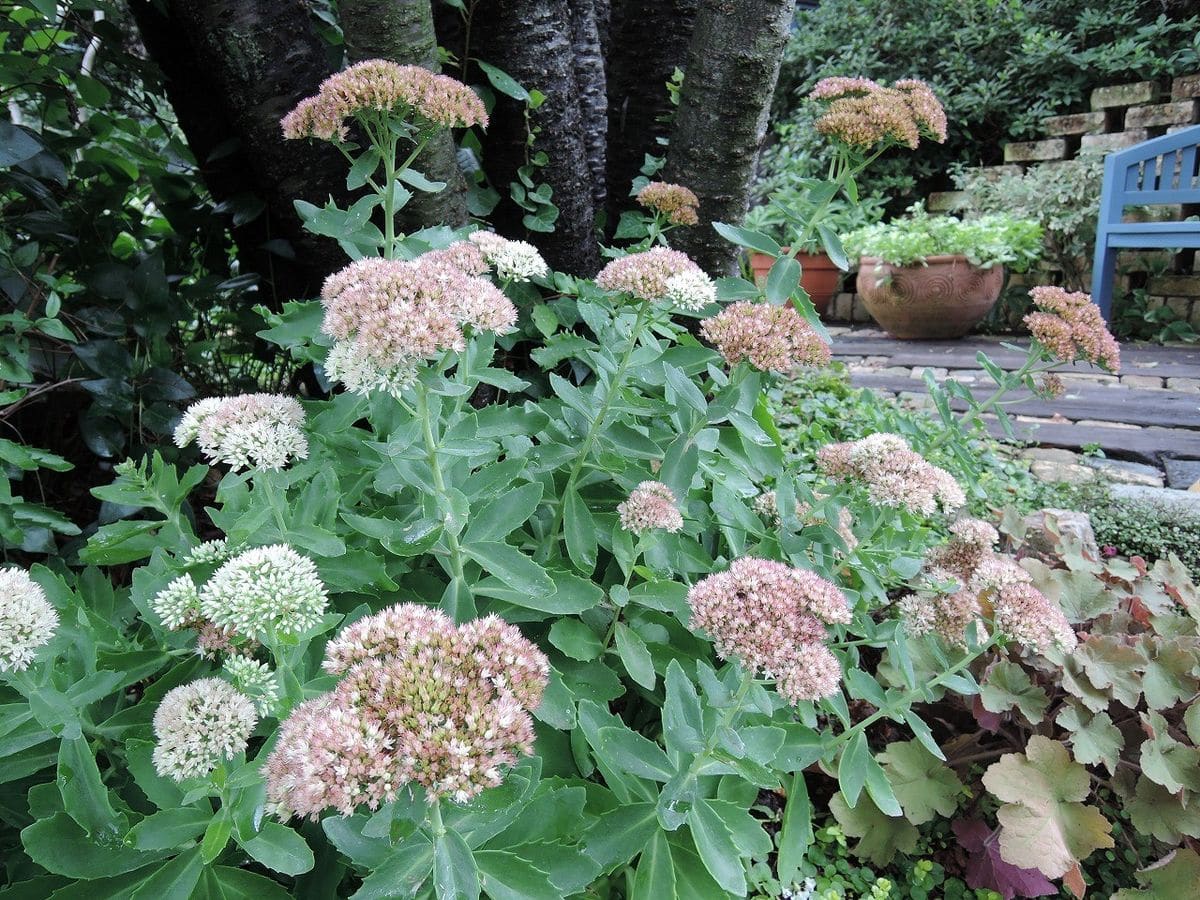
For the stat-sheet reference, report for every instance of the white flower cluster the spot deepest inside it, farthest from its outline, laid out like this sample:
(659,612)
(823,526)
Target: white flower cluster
(691,289)
(27,620)
(178,604)
(249,431)
(208,553)
(254,679)
(512,260)
(263,592)
(198,725)
(350,364)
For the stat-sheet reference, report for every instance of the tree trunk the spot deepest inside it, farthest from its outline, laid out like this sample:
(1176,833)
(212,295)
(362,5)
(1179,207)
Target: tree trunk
(592,92)
(231,70)
(646,41)
(531,41)
(402,31)
(733,64)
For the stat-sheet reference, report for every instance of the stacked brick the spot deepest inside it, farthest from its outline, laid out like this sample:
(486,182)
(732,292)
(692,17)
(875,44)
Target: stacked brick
(1119,116)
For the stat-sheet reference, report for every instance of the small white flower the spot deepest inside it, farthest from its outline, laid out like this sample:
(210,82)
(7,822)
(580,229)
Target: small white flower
(514,260)
(691,289)
(198,725)
(264,591)
(27,620)
(208,553)
(178,604)
(348,363)
(248,431)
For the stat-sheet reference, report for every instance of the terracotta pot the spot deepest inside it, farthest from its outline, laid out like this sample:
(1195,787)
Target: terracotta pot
(945,298)
(819,277)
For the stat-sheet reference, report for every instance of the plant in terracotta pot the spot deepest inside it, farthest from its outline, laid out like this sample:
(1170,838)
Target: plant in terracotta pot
(926,277)
(783,216)
(862,119)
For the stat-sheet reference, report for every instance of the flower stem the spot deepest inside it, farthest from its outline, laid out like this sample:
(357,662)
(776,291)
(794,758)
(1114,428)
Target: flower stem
(435,819)
(439,482)
(614,386)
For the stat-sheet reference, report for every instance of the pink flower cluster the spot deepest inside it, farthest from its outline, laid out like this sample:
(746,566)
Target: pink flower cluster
(677,203)
(772,618)
(984,582)
(659,275)
(1070,326)
(419,700)
(651,505)
(388,315)
(770,338)
(377,85)
(863,113)
(893,473)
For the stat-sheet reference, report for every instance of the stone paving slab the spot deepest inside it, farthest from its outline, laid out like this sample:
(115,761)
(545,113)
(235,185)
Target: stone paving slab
(1150,414)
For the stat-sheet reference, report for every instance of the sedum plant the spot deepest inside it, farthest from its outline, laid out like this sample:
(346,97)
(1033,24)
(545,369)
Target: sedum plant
(471,632)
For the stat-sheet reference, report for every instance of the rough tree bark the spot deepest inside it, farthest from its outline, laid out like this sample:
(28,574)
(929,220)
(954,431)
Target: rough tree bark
(232,69)
(592,91)
(531,41)
(402,31)
(646,41)
(732,67)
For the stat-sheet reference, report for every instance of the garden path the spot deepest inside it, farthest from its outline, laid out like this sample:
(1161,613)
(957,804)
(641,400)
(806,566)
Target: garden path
(1150,414)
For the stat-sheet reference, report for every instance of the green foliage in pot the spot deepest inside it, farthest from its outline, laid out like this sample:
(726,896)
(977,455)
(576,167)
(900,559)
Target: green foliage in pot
(1062,198)
(986,241)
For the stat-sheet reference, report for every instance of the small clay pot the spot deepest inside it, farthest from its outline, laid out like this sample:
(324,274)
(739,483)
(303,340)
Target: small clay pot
(945,298)
(819,277)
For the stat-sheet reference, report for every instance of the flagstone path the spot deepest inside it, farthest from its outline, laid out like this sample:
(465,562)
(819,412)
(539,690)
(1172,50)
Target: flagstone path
(1150,414)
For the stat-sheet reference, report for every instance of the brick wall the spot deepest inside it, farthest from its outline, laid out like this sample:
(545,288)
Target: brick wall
(1119,116)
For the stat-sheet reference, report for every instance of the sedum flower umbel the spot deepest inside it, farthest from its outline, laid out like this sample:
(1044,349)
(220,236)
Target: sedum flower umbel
(27,620)
(387,316)
(772,618)
(770,338)
(893,473)
(677,204)
(660,275)
(377,86)
(863,113)
(1071,327)
(265,592)
(421,700)
(199,725)
(651,505)
(247,431)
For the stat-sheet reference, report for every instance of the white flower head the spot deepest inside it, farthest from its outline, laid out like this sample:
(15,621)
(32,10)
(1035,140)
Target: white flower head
(265,591)
(198,725)
(350,364)
(691,289)
(27,620)
(178,604)
(208,553)
(515,260)
(248,431)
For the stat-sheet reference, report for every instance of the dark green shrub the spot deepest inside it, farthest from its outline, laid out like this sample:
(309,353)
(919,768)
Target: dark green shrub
(999,68)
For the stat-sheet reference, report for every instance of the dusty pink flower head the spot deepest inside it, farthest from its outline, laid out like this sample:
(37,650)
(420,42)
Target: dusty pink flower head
(651,505)
(893,473)
(1070,326)
(971,542)
(928,611)
(863,113)
(771,618)
(660,275)
(677,203)
(1025,614)
(462,255)
(380,86)
(387,316)
(420,700)
(247,431)
(770,338)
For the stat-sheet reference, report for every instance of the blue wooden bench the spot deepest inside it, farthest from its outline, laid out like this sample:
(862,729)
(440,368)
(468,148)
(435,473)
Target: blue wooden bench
(1159,171)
